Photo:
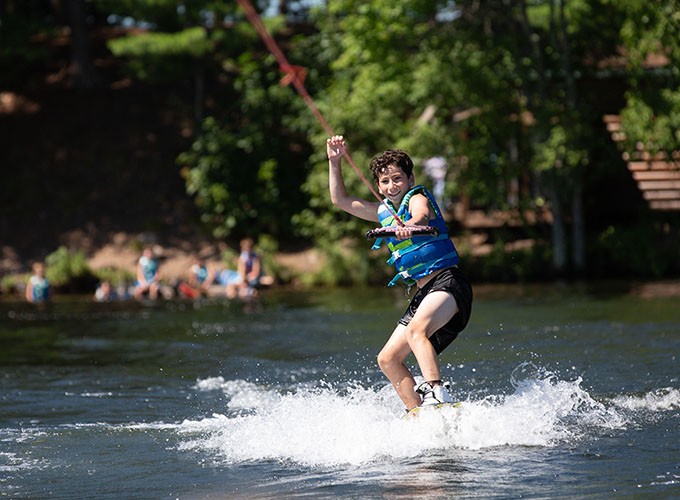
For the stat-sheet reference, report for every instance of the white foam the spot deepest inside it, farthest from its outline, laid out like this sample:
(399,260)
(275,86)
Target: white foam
(664,399)
(330,426)
(241,394)
(12,462)
(210,384)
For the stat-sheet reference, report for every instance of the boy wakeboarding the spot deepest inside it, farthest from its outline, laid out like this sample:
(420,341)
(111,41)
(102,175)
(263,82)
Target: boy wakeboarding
(441,307)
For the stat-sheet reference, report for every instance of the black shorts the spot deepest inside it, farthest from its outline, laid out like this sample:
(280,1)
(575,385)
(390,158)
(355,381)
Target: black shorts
(453,281)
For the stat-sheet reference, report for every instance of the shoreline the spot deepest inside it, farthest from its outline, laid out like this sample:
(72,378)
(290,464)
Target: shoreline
(121,252)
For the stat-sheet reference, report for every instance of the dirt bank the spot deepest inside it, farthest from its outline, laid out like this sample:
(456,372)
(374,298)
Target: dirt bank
(122,251)
(175,261)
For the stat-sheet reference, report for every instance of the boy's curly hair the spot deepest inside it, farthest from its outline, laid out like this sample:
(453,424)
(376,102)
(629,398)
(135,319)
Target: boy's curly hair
(396,157)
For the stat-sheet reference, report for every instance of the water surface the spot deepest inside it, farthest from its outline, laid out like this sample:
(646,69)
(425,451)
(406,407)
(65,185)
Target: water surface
(566,391)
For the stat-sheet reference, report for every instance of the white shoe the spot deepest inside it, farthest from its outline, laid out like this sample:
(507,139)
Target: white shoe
(433,395)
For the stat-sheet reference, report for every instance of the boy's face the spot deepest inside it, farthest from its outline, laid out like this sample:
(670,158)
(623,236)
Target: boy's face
(393,184)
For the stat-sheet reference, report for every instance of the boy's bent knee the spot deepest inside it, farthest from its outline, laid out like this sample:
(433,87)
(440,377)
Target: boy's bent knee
(384,360)
(387,360)
(415,333)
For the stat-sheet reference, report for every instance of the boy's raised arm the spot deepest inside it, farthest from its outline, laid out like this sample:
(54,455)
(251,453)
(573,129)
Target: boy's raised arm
(335,148)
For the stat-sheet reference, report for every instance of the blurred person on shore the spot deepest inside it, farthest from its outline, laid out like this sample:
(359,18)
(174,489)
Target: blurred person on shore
(148,276)
(249,272)
(105,293)
(38,287)
(201,278)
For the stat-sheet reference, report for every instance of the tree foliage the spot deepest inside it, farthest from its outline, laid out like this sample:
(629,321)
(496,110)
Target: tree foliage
(510,92)
(495,88)
(650,34)
(248,156)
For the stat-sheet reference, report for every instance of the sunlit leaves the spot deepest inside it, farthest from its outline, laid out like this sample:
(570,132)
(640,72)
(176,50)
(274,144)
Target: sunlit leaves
(192,41)
(653,125)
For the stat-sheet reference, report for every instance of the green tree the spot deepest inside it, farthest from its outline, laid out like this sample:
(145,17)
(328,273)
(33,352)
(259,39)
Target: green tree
(246,165)
(248,154)
(436,80)
(499,88)
(377,51)
(174,41)
(650,34)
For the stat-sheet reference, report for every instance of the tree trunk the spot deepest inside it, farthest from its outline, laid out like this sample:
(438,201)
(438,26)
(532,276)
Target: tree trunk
(533,39)
(577,212)
(83,73)
(566,60)
(199,91)
(578,229)
(559,233)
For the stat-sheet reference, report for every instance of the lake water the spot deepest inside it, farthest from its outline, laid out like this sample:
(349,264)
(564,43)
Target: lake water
(566,391)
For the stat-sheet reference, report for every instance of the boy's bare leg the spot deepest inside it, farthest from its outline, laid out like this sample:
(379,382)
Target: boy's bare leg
(391,361)
(436,309)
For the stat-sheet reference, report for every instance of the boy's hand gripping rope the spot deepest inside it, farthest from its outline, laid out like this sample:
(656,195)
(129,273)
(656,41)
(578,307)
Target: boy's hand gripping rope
(296,75)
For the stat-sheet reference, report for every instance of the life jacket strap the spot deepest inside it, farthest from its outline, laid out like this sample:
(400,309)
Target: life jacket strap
(406,275)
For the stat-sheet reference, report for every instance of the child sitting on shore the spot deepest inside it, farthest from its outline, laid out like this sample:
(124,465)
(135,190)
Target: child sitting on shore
(38,287)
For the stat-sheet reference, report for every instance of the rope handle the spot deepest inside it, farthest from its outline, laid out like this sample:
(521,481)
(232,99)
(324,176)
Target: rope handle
(384,232)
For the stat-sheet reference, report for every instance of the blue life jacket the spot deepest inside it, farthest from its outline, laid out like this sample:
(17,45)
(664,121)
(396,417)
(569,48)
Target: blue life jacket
(149,268)
(201,273)
(418,256)
(41,289)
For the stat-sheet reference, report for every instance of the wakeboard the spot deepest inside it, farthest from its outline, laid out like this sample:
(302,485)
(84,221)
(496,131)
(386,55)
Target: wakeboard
(415,412)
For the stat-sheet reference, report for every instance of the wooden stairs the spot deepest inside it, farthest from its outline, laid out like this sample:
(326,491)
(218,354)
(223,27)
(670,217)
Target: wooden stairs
(657,175)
